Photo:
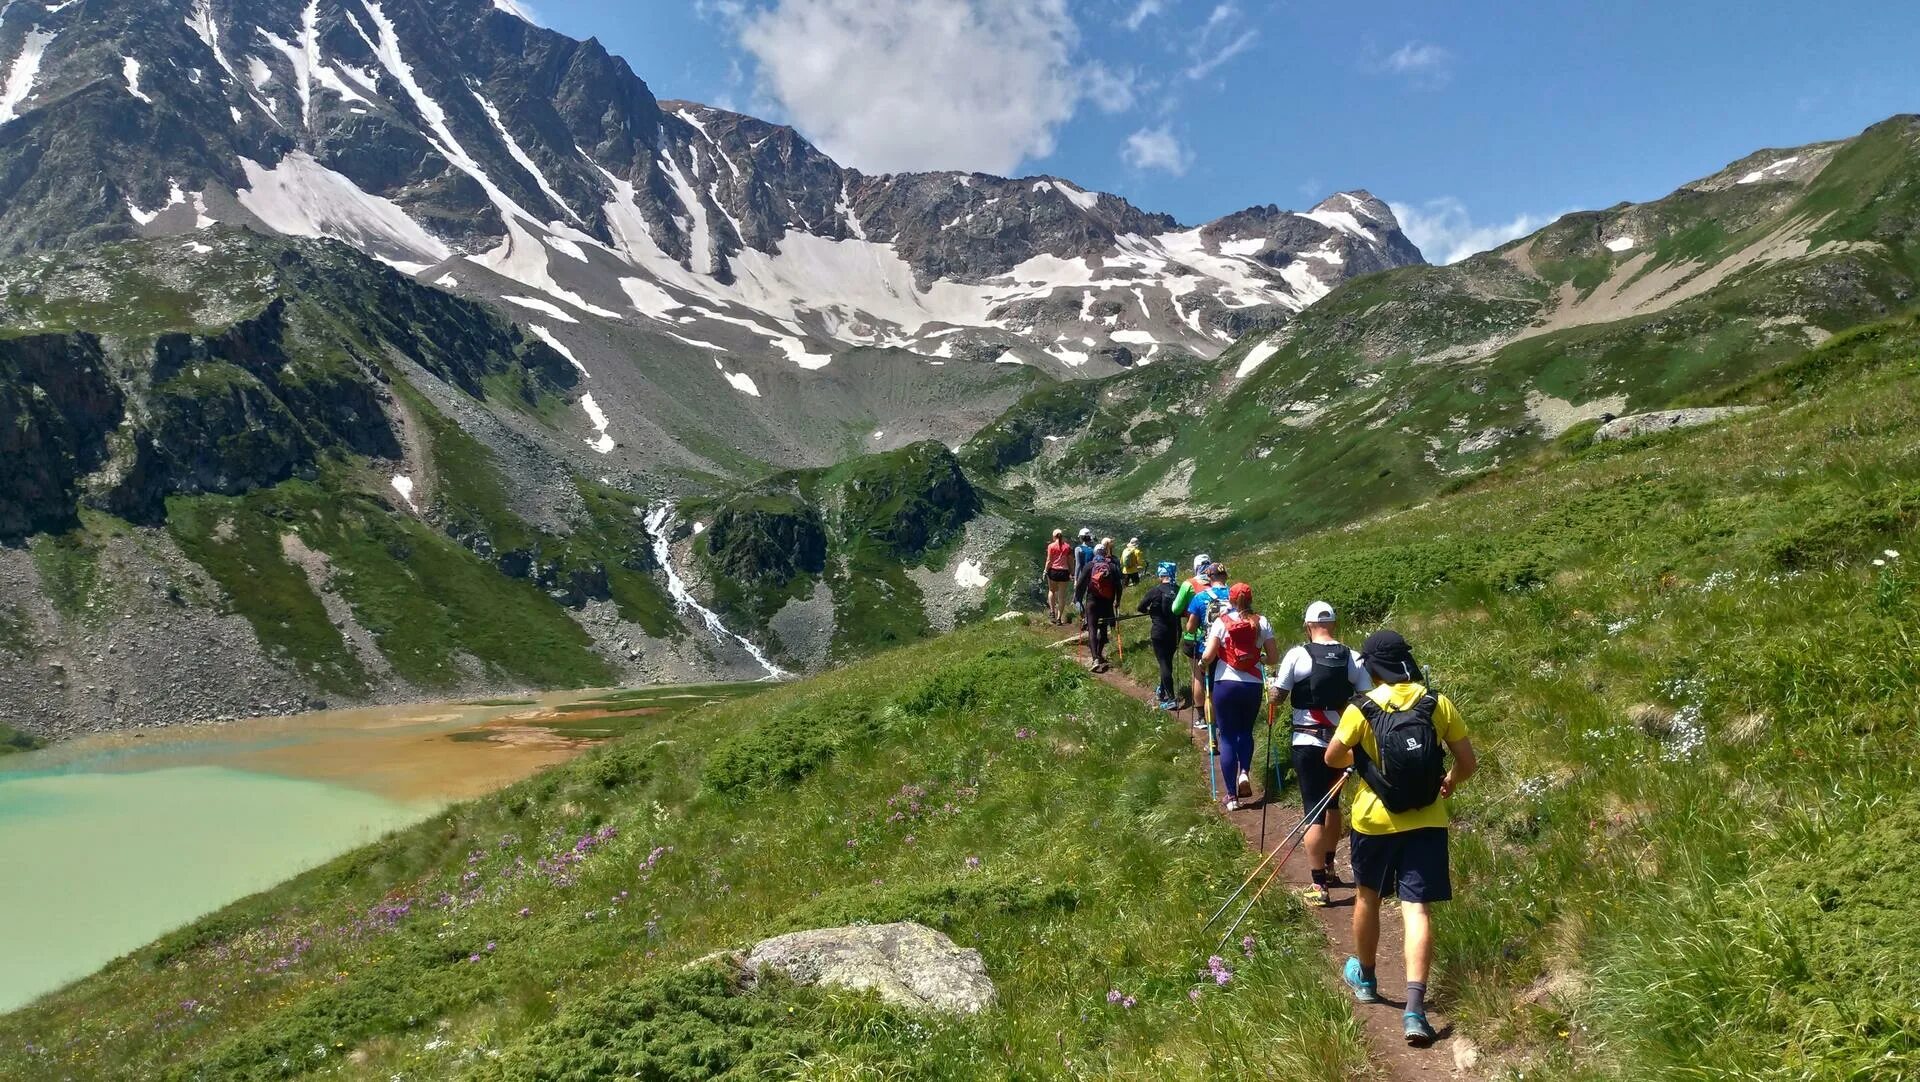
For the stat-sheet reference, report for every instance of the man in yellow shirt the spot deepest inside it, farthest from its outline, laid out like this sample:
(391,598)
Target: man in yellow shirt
(1399,813)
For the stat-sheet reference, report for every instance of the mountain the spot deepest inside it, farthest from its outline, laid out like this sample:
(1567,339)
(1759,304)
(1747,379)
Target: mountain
(1403,383)
(470,148)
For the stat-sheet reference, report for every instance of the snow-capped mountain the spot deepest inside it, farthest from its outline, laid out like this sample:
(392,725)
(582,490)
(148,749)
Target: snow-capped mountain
(463,145)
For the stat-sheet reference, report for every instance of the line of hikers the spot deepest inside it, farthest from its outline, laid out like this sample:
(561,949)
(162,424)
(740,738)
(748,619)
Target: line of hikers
(1368,711)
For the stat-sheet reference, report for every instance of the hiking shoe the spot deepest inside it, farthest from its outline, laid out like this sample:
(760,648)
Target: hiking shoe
(1233,805)
(1167,705)
(1364,990)
(1199,723)
(1334,880)
(1244,787)
(1419,1033)
(1315,895)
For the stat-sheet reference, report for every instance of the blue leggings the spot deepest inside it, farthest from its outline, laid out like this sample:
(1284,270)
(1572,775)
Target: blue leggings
(1236,707)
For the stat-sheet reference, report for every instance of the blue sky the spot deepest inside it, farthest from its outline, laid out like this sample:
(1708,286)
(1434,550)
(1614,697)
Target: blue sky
(1478,120)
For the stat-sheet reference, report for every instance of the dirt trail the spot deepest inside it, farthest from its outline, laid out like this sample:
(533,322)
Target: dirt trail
(1451,1057)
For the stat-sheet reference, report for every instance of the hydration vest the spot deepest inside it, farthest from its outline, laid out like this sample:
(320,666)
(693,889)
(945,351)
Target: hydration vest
(1328,686)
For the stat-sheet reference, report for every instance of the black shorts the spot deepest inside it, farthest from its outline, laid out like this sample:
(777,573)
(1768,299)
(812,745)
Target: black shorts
(1316,777)
(1133,578)
(1059,574)
(1193,648)
(1411,864)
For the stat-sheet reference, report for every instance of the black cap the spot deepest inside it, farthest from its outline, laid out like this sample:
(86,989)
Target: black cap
(1388,655)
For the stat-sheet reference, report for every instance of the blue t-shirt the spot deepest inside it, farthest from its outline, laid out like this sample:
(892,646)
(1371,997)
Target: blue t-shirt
(1197,608)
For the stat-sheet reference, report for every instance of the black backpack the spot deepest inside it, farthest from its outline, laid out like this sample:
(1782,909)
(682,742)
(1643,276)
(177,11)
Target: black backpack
(1412,763)
(1328,685)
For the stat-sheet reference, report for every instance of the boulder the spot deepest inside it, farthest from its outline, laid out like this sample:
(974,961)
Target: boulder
(1644,424)
(908,964)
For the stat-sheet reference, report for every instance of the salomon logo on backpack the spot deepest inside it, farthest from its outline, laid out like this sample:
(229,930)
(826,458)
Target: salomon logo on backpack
(1412,763)
(1104,579)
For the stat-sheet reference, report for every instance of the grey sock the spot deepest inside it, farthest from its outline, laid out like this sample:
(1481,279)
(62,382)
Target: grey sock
(1416,997)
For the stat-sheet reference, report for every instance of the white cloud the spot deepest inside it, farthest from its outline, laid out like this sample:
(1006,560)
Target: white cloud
(1423,63)
(1110,91)
(922,84)
(1156,148)
(1446,233)
(1215,42)
(1142,11)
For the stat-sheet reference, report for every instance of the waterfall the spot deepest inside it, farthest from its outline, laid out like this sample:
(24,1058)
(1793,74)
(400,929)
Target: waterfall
(656,521)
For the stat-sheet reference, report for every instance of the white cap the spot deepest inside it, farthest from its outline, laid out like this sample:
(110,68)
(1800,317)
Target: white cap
(1086,532)
(1200,562)
(1320,613)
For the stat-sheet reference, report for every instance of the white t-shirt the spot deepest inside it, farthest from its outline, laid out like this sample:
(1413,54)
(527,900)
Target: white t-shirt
(1295,668)
(1224,673)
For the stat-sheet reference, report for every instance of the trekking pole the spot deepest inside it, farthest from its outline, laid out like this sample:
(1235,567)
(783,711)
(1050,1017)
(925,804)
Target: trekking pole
(1274,871)
(1267,782)
(1265,858)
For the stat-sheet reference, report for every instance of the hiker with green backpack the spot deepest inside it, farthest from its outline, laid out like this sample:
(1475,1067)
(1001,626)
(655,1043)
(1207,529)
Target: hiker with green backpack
(1396,737)
(1240,647)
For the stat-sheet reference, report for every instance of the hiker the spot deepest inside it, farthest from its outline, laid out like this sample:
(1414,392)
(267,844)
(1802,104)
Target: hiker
(1322,676)
(1059,577)
(1204,605)
(1241,648)
(1133,562)
(1082,556)
(1394,737)
(1163,628)
(1189,642)
(1100,584)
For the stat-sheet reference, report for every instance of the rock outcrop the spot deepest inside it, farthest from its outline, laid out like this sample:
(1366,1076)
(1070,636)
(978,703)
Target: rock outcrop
(1646,424)
(907,964)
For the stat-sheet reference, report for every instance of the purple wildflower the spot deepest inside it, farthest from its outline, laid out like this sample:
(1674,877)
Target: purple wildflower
(1193,994)
(973,862)
(1129,1003)
(1246,946)
(473,958)
(1113,995)
(526,912)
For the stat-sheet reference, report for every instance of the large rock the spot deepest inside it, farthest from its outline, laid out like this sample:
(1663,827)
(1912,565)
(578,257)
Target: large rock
(907,964)
(1646,424)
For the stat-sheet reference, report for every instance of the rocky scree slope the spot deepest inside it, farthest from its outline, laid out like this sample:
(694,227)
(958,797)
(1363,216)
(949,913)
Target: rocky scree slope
(247,475)
(1401,383)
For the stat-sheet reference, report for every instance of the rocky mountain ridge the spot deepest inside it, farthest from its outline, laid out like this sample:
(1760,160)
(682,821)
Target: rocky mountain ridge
(464,145)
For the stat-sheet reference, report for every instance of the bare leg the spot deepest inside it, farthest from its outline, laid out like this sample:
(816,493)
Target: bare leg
(1419,938)
(1315,851)
(1366,926)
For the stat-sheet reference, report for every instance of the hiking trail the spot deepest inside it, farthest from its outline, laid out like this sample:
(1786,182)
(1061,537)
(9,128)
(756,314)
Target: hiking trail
(1453,1056)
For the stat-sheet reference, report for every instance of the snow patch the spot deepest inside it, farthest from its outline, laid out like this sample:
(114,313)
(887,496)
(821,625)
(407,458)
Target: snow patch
(969,576)
(1620,244)
(198,248)
(567,248)
(447,281)
(648,299)
(175,197)
(1256,357)
(404,486)
(130,70)
(17,87)
(602,443)
(1768,172)
(200,21)
(302,198)
(741,382)
(1083,200)
(258,72)
(545,308)
(559,347)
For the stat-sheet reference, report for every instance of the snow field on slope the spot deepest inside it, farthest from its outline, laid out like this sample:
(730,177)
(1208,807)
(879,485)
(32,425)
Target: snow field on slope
(302,198)
(17,87)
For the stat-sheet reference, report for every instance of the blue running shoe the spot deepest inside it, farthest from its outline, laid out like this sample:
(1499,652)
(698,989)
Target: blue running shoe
(1364,990)
(1419,1033)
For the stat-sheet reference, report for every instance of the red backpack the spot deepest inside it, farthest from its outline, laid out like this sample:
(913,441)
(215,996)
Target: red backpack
(1104,579)
(1240,642)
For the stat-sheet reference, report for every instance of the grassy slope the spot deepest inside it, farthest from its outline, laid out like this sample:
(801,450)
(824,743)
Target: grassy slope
(1381,423)
(861,795)
(1689,668)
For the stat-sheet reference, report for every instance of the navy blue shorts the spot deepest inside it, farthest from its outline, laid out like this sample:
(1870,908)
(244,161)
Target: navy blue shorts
(1411,865)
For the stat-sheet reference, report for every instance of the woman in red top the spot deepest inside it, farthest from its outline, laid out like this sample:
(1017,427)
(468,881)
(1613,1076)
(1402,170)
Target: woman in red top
(1059,577)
